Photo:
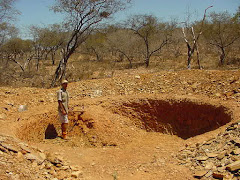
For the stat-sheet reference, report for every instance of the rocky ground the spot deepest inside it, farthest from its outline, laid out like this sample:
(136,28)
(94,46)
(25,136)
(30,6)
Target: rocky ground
(18,160)
(119,135)
(218,157)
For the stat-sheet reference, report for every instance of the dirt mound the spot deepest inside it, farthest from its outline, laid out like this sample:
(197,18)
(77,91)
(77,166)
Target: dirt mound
(90,128)
(45,127)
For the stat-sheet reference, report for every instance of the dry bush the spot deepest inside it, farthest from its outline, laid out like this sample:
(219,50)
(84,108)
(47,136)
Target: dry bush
(84,66)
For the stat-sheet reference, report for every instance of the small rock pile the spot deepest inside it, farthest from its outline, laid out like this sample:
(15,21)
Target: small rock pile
(18,161)
(217,158)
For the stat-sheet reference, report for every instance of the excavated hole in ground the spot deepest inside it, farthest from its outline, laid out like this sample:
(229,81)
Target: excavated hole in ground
(182,118)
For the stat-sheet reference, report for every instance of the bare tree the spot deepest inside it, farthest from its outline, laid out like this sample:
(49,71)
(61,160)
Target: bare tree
(82,16)
(149,29)
(96,44)
(7,10)
(124,42)
(47,40)
(7,13)
(13,50)
(195,38)
(7,31)
(222,31)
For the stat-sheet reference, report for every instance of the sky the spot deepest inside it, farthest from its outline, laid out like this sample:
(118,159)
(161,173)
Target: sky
(36,12)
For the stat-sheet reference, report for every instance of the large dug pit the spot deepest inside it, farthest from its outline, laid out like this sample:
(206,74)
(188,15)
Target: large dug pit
(101,125)
(183,118)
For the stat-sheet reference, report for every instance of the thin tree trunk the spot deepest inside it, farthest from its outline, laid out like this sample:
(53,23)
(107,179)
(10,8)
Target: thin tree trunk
(198,58)
(60,72)
(147,59)
(7,61)
(57,73)
(128,58)
(189,56)
(38,60)
(53,57)
(97,54)
(147,55)
(222,56)
(18,64)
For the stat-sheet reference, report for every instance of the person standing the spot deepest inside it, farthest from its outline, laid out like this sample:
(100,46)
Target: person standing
(63,99)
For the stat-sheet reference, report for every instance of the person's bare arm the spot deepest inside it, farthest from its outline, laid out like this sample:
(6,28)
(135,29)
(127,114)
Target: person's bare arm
(62,107)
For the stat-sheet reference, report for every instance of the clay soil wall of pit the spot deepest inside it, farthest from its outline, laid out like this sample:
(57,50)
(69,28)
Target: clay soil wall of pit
(183,118)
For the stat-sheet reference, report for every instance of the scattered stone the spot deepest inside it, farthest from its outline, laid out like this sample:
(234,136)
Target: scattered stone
(58,165)
(52,172)
(199,174)
(211,155)
(45,173)
(28,150)
(42,155)
(93,164)
(3,116)
(10,147)
(62,175)
(20,155)
(22,108)
(209,174)
(2,138)
(75,168)
(236,152)
(48,166)
(209,165)
(33,157)
(236,142)
(60,158)
(3,149)
(234,166)
(76,174)
(65,167)
(230,93)
(42,166)
(221,169)
(202,158)
(218,175)
(50,157)
(34,164)
(219,156)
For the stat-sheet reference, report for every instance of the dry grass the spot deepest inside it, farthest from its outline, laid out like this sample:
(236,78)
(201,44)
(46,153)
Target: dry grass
(82,67)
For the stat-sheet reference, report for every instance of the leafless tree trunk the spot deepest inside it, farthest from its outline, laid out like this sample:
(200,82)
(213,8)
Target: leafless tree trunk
(19,64)
(53,53)
(195,40)
(98,56)
(83,15)
(222,48)
(128,58)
